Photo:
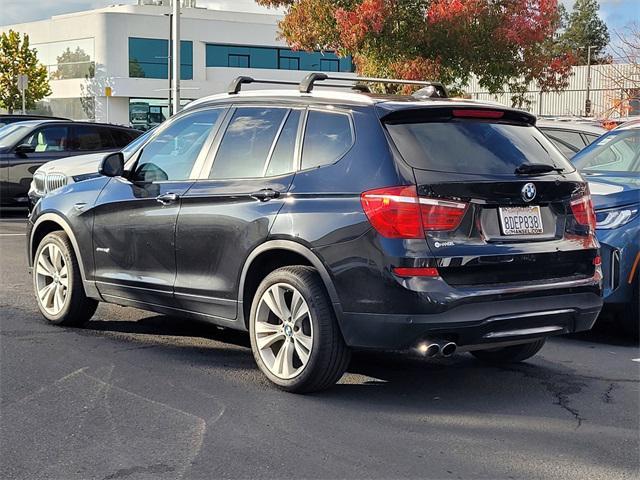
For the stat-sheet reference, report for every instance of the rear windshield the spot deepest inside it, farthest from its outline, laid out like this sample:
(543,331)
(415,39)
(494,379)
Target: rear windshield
(476,147)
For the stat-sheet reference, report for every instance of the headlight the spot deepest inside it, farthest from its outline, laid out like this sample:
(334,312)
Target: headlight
(616,217)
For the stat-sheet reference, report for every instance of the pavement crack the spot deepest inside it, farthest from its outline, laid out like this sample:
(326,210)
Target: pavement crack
(157,468)
(608,397)
(561,394)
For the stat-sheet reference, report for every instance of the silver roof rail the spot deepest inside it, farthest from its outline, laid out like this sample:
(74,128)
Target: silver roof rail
(306,86)
(236,84)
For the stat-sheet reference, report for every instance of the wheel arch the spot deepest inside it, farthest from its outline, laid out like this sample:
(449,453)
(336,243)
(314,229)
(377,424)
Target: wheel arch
(51,222)
(287,252)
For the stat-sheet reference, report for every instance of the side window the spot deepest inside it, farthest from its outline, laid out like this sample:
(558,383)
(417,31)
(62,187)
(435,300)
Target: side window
(49,139)
(572,138)
(247,142)
(172,154)
(282,159)
(123,138)
(327,137)
(566,149)
(89,138)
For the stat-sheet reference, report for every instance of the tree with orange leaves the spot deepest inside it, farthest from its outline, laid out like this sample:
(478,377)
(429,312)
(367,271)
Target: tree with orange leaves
(505,43)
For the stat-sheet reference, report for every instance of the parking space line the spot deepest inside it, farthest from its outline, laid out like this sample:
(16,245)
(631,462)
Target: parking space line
(635,359)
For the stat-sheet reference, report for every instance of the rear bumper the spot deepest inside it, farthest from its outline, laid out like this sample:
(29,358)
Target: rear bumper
(476,323)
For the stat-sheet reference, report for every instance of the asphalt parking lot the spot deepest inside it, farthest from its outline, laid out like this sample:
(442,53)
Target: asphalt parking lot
(136,395)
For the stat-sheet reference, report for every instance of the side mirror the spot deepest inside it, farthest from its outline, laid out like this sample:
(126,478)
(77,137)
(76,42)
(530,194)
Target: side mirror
(24,149)
(112,165)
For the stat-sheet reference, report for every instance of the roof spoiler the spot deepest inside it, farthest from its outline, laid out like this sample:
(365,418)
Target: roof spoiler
(442,113)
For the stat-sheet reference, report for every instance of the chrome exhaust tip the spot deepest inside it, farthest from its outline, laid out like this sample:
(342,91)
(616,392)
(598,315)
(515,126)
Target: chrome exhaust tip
(428,349)
(448,349)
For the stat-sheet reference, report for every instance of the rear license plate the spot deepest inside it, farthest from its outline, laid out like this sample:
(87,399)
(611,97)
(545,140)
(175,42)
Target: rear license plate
(521,220)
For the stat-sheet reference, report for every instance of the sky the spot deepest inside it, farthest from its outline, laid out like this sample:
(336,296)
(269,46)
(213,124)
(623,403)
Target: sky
(616,13)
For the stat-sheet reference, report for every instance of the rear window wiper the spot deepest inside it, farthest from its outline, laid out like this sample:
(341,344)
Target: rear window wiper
(535,168)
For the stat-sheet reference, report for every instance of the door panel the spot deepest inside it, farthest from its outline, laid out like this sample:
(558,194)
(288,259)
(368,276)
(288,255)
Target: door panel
(219,224)
(133,239)
(230,211)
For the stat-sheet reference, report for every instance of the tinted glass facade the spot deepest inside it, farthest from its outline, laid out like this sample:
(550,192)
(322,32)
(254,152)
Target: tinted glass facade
(68,59)
(148,58)
(275,58)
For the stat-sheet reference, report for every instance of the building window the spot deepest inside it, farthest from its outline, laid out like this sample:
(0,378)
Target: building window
(289,63)
(148,58)
(239,61)
(329,65)
(68,59)
(218,55)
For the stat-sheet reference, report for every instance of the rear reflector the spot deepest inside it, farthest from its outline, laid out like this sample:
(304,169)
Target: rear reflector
(416,272)
(582,209)
(474,113)
(597,260)
(398,212)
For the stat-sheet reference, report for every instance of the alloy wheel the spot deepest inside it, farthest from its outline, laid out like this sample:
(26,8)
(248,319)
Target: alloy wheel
(52,279)
(283,331)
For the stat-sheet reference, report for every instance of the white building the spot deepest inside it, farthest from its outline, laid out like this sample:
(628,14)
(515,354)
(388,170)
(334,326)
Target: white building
(123,51)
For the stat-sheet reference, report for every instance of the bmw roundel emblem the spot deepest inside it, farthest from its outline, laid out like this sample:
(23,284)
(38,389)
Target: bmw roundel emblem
(528,192)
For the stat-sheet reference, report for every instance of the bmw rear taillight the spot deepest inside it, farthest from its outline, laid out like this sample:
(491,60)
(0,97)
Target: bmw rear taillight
(398,212)
(582,209)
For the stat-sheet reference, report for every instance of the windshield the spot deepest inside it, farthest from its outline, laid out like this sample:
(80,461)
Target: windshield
(10,134)
(476,147)
(131,148)
(616,151)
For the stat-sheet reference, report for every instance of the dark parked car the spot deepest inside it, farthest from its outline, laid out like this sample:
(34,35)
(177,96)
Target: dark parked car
(6,119)
(27,145)
(570,137)
(612,167)
(58,173)
(323,222)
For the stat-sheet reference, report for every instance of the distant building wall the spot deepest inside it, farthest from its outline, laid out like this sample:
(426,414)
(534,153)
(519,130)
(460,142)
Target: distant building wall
(614,92)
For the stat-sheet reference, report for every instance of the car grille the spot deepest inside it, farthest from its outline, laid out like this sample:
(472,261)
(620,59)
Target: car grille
(39,181)
(55,181)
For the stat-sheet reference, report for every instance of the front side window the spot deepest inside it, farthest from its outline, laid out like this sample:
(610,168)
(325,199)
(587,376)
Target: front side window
(247,142)
(171,155)
(49,139)
(327,137)
(615,152)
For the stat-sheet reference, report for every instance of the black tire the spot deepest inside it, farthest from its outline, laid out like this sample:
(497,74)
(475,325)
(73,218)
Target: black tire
(78,308)
(511,354)
(329,357)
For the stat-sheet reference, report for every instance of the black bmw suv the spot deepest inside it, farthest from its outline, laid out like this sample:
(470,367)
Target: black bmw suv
(327,221)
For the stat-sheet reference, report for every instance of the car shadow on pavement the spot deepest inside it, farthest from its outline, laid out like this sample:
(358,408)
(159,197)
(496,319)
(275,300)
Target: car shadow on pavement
(413,378)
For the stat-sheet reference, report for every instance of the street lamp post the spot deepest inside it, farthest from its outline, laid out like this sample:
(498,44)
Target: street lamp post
(176,55)
(169,61)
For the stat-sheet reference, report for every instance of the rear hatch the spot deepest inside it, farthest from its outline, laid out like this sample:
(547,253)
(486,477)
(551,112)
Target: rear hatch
(500,204)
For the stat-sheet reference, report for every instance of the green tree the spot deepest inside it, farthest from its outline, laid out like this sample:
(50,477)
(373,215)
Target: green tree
(585,28)
(74,64)
(502,42)
(17,58)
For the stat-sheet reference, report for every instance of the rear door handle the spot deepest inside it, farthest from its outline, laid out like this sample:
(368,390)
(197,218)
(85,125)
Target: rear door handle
(168,198)
(265,194)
